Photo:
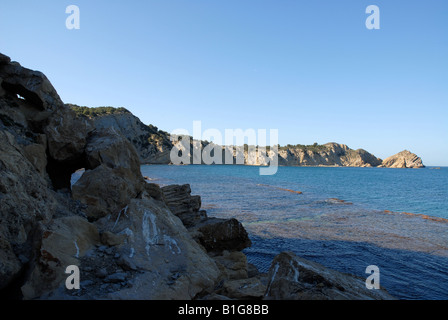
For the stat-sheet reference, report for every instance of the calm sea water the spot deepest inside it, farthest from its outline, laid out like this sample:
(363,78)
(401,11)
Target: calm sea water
(339,220)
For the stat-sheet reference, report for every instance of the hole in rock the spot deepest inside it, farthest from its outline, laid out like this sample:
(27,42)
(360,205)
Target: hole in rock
(63,174)
(22,93)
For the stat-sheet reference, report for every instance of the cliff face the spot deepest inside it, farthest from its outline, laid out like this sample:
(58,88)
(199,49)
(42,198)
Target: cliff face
(153,146)
(330,154)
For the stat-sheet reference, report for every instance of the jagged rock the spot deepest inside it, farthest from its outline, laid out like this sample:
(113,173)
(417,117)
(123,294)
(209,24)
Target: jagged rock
(403,159)
(187,207)
(217,235)
(33,86)
(294,278)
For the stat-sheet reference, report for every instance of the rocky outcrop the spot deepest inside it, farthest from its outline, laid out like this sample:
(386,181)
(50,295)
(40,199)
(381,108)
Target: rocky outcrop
(153,145)
(294,278)
(112,224)
(404,159)
(183,204)
(113,177)
(129,238)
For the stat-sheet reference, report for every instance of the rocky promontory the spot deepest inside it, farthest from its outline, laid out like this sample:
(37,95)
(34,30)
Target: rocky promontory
(153,145)
(404,159)
(128,238)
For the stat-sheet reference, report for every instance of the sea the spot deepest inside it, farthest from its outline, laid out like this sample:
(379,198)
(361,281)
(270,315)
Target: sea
(344,218)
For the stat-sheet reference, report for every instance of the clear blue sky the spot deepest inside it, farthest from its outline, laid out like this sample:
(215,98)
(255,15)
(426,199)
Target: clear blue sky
(308,68)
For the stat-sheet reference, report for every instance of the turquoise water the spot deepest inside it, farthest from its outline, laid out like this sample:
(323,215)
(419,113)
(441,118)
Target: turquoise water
(339,220)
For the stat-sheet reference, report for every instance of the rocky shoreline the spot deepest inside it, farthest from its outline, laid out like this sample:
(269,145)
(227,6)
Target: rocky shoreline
(130,239)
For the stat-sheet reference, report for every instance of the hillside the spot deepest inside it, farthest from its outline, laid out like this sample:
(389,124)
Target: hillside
(154,145)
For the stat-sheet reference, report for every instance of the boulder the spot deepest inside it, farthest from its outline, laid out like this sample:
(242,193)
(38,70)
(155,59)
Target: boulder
(217,235)
(106,191)
(294,278)
(67,135)
(111,149)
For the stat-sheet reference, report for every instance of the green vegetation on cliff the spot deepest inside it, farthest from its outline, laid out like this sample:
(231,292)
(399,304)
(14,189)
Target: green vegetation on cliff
(313,147)
(96,112)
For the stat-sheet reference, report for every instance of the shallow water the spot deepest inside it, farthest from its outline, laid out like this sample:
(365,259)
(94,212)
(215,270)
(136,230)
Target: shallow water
(339,220)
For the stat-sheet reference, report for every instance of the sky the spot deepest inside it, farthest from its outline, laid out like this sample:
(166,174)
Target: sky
(310,69)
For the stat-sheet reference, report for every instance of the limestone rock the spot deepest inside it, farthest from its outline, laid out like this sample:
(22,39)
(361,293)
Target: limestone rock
(404,159)
(294,278)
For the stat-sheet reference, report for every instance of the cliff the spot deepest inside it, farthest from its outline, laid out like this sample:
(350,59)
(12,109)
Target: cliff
(153,145)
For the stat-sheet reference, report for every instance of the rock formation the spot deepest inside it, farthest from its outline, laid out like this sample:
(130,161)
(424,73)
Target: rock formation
(129,238)
(403,159)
